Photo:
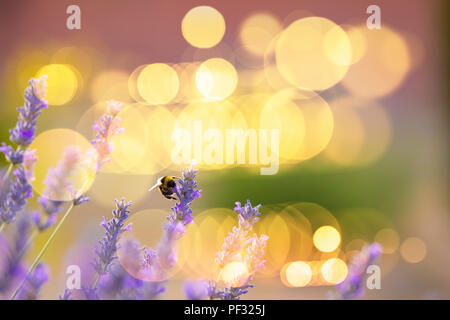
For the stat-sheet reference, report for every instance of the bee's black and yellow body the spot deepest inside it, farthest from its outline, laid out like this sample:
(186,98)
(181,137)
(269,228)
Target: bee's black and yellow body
(166,186)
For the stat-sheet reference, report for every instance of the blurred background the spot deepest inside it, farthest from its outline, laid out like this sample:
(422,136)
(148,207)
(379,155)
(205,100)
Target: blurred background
(363,119)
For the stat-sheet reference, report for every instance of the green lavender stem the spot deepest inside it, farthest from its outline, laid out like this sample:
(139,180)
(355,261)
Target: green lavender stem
(5,176)
(7,173)
(97,278)
(29,242)
(43,250)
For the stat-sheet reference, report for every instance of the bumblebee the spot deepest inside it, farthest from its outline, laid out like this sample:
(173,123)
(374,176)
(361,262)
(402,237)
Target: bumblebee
(166,186)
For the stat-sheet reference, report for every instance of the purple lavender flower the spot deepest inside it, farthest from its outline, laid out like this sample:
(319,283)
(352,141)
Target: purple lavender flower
(353,286)
(106,127)
(34,283)
(196,290)
(165,256)
(67,295)
(29,160)
(11,155)
(242,247)
(238,239)
(91,293)
(120,283)
(118,280)
(187,191)
(12,269)
(229,293)
(23,132)
(16,198)
(107,249)
(58,186)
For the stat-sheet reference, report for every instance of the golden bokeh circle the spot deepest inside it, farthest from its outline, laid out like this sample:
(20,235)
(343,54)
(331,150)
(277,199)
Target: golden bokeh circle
(313,53)
(326,239)
(317,121)
(129,146)
(282,114)
(62,83)
(334,270)
(298,274)
(203,27)
(110,84)
(257,32)
(383,64)
(158,83)
(203,239)
(50,147)
(413,250)
(192,131)
(388,239)
(362,131)
(234,274)
(216,79)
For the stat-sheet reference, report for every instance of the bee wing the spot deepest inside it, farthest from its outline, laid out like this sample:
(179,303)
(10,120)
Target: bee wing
(155,186)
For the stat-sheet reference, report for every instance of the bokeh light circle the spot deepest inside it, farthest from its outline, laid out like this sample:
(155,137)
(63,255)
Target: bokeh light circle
(388,239)
(298,274)
(205,117)
(317,121)
(110,84)
(413,250)
(62,83)
(313,53)
(216,79)
(383,64)
(158,83)
(282,114)
(277,226)
(203,239)
(234,274)
(50,147)
(257,32)
(326,239)
(203,27)
(362,131)
(334,270)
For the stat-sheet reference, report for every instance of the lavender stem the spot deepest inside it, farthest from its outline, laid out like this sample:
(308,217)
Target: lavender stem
(7,173)
(29,242)
(5,176)
(43,250)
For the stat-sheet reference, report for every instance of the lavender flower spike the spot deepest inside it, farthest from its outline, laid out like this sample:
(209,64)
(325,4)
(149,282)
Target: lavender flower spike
(240,246)
(16,198)
(34,283)
(239,236)
(12,268)
(353,286)
(106,127)
(187,191)
(180,216)
(67,295)
(107,248)
(29,160)
(23,132)
(196,290)
(58,185)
